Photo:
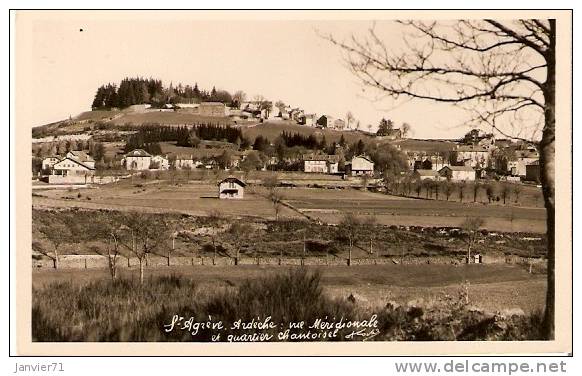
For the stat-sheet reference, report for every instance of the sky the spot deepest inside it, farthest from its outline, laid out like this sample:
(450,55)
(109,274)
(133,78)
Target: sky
(279,59)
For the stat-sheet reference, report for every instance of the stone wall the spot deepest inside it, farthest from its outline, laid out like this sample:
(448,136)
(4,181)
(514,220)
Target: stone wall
(96,261)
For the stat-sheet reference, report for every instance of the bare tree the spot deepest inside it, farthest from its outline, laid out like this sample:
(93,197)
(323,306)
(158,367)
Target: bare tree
(105,228)
(462,185)
(239,233)
(54,228)
(215,219)
(504,72)
(276,199)
(476,187)
(349,119)
(405,130)
(142,235)
(517,191)
(349,228)
(505,192)
(447,188)
(238,97)
(280,105)
(471,228)
(490,192)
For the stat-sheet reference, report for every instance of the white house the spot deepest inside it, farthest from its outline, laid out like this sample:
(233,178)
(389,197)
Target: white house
(458,173)
(360,165)
(138,159)
(473,155)
(321,163)
(524,157)
(309,120)
(49,162)
(72,167)
(160,162)
(231,188)
(184,163)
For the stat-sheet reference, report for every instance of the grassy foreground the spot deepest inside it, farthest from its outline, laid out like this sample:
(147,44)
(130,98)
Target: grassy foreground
(125,311)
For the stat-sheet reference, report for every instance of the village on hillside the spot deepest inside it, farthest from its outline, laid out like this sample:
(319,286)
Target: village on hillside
(105,149)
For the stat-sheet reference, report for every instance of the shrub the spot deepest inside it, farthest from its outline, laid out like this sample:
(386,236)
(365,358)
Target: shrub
(123,310)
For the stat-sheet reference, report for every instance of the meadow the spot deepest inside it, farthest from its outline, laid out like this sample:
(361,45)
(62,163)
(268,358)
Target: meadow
(194,192)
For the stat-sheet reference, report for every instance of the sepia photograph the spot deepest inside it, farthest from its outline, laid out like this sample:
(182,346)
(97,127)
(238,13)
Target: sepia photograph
(307,177)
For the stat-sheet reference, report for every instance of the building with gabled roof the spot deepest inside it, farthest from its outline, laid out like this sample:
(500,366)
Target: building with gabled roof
(360,165)
(421,174)
(231,188)
(458,173)
(137,160)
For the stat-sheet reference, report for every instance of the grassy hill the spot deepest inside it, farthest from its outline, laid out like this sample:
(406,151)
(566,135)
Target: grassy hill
(273,129)
(270,129)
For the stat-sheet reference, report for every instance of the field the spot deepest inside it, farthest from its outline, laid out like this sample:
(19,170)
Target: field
(328,205)
(331,205)
(272,130)
(193,198)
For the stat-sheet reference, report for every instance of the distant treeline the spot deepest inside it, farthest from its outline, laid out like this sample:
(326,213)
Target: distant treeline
(149,137)
(308,142)
(140,90)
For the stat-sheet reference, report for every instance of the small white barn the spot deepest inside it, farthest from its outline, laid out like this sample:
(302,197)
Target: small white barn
(421,174)
(458,173)
(361,165)
(231,188)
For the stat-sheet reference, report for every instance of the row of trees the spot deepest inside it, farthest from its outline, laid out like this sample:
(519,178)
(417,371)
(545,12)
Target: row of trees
(444,189)
(140,90)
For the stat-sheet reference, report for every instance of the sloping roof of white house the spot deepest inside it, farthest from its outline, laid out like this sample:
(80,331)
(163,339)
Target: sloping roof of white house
(321,157)
(458,168)
(232,179)
(138,153)
(212,104)
(75,161)
(363,157)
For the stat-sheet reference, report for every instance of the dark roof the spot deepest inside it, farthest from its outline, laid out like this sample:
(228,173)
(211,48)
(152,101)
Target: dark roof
(232,179)
(458,168)
(138,153)
(364,157)
(321,157)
